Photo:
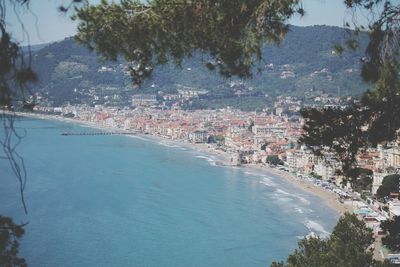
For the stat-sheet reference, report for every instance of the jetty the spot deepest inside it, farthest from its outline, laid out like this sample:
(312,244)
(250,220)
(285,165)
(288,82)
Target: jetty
(97,133)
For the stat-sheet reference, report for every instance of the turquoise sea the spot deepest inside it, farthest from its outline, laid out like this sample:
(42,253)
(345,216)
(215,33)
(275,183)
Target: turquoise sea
(131,201)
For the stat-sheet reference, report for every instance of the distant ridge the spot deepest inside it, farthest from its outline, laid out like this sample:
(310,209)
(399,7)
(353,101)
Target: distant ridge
(35,48)
(304,65)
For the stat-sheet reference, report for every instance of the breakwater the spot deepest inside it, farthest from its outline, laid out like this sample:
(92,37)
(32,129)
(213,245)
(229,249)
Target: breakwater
(97,133)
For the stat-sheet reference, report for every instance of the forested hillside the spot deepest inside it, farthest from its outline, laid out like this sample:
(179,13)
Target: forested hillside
(304,64)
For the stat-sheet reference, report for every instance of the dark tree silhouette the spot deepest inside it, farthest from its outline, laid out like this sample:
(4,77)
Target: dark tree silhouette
(390,184)
(347,246)
(10,233)
(15,74)
(229,33)
(376,119)
(392,231)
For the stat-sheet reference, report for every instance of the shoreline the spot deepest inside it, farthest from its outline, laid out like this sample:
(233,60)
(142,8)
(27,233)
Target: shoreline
(329,198)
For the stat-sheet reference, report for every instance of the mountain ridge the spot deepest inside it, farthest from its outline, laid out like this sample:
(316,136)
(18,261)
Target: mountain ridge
(303,64)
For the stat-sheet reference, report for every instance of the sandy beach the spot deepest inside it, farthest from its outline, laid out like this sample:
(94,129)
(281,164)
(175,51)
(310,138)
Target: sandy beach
(330,199)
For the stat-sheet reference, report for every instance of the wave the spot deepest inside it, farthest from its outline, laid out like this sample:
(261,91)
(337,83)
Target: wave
(210,160)
(299,210)
(314,226)
(284,199)
(253,173)
(138,137)
(204,157)
(282,192)
(302,199)
(266,181)
(168,145)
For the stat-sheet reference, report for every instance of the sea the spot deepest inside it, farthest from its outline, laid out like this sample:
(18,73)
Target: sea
(136,201)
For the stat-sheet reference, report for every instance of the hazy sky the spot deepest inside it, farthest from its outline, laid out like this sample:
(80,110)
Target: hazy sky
(45,24)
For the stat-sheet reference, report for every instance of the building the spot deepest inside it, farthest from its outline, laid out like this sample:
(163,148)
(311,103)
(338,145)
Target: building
(144,100)
(188,92)
(198,137)
(392,157)
(268,130)
(394,208)
(301,160)
(326,170)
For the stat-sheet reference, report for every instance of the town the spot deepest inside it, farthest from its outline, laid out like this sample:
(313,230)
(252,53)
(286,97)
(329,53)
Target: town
(266,137)
(260,137)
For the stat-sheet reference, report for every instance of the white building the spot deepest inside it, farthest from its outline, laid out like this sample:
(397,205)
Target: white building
(198,137)
(144,100)
(392,157)
(325,170)
(394,208)
(302,160)
(268,130)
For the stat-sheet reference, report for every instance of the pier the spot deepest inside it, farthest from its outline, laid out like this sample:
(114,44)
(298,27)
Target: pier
(97,133)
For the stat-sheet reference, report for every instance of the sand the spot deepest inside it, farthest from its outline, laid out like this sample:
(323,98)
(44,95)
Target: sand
(331,199)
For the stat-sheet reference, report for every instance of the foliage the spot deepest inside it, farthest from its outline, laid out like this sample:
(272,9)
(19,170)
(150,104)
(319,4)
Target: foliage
(219,139)
(230,32)
(250,128)
(316,176)
(10,233)
(362,181)
(390,184)
(264,146)
(392,231)
(15,75)
(347,246)
(274,160)
(347,131)
(376,118)
(15,69)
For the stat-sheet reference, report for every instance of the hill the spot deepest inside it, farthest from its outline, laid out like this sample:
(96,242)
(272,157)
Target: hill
(304,64)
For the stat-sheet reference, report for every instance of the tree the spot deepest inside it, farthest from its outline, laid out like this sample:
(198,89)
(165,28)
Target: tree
(392,231)
(10,233)
(15,75)
(15,68)
(264,146)
(376,119)
(347,246)
(363,180)
(229,33)
(390,184)
(311,252)
(274,160)
(315,176)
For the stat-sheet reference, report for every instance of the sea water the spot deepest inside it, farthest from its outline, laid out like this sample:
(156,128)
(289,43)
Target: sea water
(123,201)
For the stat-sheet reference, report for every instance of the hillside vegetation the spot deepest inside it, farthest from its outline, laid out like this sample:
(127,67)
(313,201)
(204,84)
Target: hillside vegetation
(303,65)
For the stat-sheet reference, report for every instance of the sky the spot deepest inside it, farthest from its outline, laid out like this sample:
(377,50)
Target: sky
(45,24)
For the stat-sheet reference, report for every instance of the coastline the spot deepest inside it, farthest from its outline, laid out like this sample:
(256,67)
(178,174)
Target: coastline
(329,198)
